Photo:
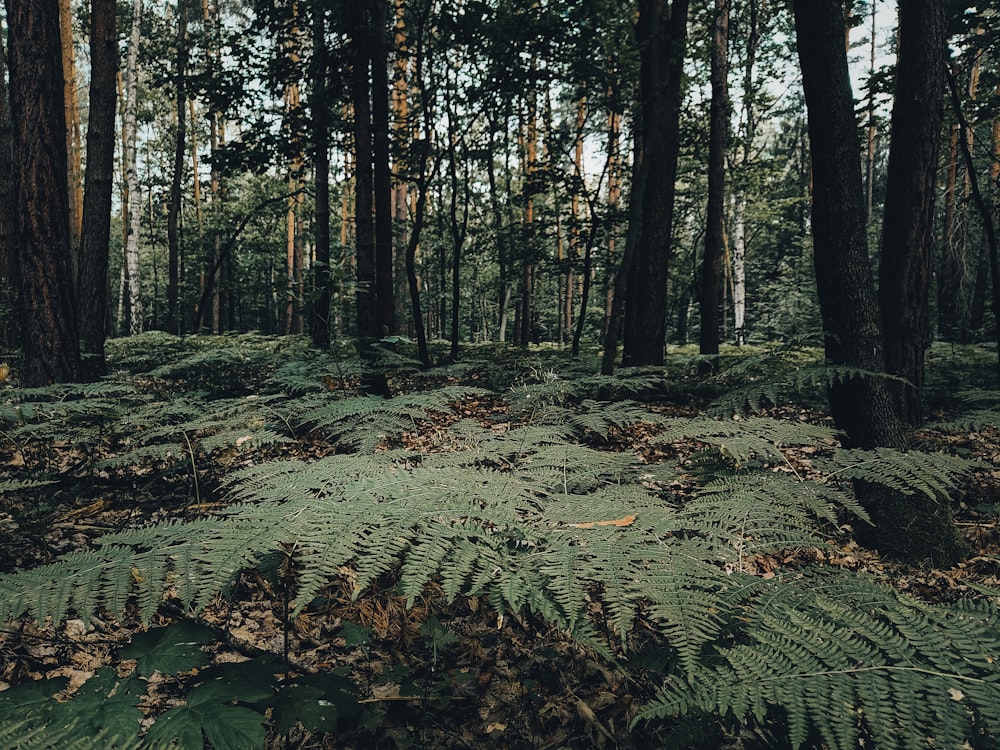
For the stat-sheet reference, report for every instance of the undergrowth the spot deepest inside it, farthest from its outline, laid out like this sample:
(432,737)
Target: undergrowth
(529,505)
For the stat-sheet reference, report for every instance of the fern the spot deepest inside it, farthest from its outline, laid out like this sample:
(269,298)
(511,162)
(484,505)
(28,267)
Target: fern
(532,521)
(846,656)
(980,409)
(910,472)
(746,439)
(363,423)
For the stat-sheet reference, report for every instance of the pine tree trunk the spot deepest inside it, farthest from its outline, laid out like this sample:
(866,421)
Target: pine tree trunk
(173,322)
(92,286)
(385,291)
(9,241)
(864,408)
(908,224)
(458,224)
(50,339)
(614,170)
(662,39)
(711,267)
(523,322)
(952,281)
(322,294)
(73,138)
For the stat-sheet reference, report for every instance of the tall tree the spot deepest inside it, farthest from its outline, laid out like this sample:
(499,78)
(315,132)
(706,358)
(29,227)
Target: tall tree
(711,267)
(661,34)
(133,201)
(71,106)
(322,294)
(907,228)
(373,184)
(863,407)
(294,241)
(382,183)
(173,322)
(95,238)
(8,214)
(49,336)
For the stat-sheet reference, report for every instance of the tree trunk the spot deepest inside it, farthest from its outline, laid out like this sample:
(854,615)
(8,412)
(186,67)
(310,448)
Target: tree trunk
(459,225)
(711,267)
(134,217)
(380,90)
(49,336)
(173,322)
(662,39)
(908,224)
(640,175)
(524,311)
(92,286)
(991,254)
(322,294)
(74,148)
(952,278)
(364,231)
(905,526)
(9,242)
(614,169)
(370,316)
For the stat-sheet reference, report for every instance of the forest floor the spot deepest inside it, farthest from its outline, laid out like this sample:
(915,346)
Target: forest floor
(435,675)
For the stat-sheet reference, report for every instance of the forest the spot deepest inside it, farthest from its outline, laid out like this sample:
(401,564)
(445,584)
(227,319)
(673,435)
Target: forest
(499,374)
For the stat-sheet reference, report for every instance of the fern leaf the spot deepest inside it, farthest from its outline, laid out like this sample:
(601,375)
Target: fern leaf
(932,474)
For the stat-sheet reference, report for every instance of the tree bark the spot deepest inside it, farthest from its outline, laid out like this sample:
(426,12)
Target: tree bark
(458,225)
(991,253)
(711,267)
(380,91)
(908,223)
(92,286)
(74,148)
(49,336)
(640,175)
(323,292)
(910,528)
(9,242)
(952,277)
(173,322)
(365,52)
(134,202)
(368,330)
(662,39)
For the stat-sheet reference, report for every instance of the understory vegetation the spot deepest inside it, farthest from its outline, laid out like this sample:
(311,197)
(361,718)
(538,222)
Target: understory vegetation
(224,545)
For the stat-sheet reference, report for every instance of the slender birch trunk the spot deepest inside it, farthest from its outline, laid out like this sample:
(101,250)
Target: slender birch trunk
(132,176)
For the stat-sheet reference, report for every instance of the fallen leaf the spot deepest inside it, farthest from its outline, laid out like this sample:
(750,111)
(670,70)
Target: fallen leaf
(619,522)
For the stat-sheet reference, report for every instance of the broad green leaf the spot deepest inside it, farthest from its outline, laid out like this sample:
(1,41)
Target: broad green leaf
(170,650)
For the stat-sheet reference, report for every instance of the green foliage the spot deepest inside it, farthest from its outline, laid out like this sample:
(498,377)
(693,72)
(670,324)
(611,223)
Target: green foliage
(531,515)
(104,711)
(224,705)
(843,655)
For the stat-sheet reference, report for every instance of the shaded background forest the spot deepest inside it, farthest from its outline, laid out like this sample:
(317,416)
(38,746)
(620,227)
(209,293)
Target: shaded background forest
(503,136)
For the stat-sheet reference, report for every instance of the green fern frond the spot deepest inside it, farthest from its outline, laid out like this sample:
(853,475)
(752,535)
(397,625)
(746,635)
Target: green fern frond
(980,409)
(597,417)
(145,455)
(738,513)
(575,468)
(911,472)
(758,382)
(850,657)
(746,439)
